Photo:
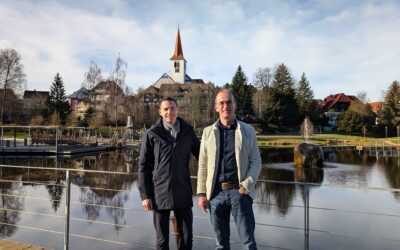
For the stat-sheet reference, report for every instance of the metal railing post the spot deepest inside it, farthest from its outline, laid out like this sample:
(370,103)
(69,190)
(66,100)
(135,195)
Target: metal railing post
(67,208)
(306,217)
(57,140)
(29,139)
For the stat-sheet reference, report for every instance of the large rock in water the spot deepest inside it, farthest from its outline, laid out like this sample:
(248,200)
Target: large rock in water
(308,155)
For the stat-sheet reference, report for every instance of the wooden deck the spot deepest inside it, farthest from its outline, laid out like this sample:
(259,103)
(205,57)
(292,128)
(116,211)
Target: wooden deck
(13,245)
(51,150)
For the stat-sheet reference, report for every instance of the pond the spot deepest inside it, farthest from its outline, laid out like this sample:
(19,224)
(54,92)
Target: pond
(353,203)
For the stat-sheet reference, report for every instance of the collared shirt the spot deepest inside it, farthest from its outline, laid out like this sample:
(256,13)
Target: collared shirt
(227,168)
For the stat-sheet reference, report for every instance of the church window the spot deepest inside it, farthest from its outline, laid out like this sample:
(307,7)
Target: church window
(176,66)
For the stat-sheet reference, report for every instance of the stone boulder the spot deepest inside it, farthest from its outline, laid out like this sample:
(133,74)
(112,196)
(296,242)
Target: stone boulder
(308,155)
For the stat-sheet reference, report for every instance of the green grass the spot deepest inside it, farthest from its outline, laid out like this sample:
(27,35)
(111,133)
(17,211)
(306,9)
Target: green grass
(327,140)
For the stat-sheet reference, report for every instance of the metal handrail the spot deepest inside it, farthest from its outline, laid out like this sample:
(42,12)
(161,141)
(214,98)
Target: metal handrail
(306,206)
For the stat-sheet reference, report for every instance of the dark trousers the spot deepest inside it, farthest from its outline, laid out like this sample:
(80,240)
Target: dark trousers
(184,225)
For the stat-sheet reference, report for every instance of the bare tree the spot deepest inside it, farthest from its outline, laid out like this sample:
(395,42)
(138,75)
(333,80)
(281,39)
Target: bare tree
(91,79)
(11,74)
(118,76)
(262,77)
(261,80)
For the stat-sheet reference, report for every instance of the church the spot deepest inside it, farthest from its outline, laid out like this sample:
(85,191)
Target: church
(193,96)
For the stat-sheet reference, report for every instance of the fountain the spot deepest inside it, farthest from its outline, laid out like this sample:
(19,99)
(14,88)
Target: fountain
(306,154)
(307,128)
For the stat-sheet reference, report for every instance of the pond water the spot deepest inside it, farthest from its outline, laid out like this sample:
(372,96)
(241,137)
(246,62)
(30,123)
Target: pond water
(354,203)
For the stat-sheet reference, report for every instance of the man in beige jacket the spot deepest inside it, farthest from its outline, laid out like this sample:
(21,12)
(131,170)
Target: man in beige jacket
(229,165)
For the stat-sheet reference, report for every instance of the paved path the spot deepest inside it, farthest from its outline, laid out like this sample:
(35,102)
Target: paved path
(13,245)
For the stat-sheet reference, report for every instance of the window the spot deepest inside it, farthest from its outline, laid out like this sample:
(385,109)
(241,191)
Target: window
(176,66)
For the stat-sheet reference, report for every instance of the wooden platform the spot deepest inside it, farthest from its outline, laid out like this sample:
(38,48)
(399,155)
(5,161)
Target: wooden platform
(51,150)
(13,245)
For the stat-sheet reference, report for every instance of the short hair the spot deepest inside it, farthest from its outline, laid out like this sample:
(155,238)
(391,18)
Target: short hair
(225,91)
(169,99)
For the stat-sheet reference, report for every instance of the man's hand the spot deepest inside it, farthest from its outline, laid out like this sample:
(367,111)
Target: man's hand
(147,205)
(203,203)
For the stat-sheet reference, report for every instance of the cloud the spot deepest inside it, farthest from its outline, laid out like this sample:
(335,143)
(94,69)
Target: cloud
(342,46)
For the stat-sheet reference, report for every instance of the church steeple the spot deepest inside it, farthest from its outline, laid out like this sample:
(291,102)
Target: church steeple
(178,62)
(178,53)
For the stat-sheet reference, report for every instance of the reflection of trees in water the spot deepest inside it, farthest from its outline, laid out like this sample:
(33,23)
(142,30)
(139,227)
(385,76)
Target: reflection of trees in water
(391,169)
(279,194)
(11,197)
(350,157)
(276,195)
(56,190)
(276,155)
(101,189)
(283,194)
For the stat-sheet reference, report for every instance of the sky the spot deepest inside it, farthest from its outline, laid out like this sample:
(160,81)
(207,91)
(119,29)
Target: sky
(348,46)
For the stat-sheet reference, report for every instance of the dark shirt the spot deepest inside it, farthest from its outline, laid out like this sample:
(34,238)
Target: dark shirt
(227,168)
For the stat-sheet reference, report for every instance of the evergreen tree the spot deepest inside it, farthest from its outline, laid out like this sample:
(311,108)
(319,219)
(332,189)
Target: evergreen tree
(280,107)
(350,121)
(243,93)
(57,102)
(305,99)
(391,107)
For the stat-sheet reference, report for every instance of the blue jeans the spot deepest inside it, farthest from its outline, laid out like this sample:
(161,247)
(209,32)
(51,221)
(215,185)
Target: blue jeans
(222,204)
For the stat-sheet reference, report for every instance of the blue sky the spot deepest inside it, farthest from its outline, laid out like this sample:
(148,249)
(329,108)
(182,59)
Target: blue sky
(342,46)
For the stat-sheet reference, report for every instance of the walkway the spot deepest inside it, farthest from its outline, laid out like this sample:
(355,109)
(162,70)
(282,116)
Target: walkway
(13,245)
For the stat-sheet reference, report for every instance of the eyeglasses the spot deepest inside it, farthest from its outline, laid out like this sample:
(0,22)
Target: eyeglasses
(227,103)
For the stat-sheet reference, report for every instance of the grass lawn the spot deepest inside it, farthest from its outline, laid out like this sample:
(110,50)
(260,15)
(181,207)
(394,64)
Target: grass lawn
(326,140)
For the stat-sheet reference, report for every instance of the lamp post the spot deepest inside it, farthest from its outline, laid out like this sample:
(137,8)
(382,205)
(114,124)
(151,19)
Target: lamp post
(386,132)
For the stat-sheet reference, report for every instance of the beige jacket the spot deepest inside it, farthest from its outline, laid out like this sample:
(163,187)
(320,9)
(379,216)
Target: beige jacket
(247,155)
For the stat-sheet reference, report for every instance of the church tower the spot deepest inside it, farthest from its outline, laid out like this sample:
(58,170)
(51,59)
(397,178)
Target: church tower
(178,62)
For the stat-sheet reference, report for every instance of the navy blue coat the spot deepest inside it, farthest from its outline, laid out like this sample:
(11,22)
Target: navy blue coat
(163,174)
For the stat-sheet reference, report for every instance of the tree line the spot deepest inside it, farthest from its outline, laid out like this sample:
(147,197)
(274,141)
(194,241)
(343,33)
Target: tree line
(274,99)
(279,103)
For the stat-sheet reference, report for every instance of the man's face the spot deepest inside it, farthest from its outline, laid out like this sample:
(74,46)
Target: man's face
(225,106)
(168,111)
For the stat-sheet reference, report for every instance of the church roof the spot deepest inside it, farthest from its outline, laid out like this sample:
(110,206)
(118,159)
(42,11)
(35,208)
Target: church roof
(178,53)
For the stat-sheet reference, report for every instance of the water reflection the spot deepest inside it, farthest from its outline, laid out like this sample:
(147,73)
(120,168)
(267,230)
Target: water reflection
(11,202)
(103,197)
(342,168)
(98,190)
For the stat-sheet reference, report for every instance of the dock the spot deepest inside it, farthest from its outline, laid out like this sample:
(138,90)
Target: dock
(51,150)
(13,245)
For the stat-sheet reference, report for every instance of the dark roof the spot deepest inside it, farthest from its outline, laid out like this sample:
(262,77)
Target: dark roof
(197,81)
(171,87)
(75,94)
(35,94)
(150,90)
(107,84)
(332,100)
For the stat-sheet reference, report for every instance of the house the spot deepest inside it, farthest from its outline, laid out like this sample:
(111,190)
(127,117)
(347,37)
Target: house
(377,109)
(109,99)
(79,102)
(10,112)
(35,101)
(332,105)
